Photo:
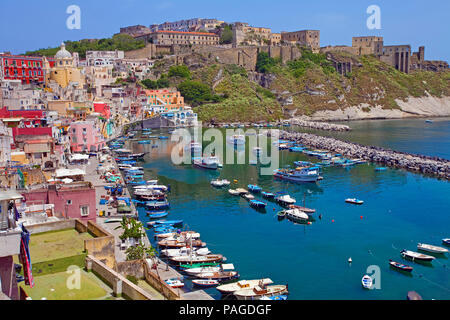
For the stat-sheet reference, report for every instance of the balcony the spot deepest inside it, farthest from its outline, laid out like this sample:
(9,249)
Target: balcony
(10,233)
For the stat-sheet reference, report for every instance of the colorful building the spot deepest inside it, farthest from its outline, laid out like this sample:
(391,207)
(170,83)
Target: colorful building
(85,137)
(163,100)
(23,68)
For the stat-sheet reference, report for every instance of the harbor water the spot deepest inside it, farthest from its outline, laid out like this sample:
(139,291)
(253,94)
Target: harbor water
(401,209)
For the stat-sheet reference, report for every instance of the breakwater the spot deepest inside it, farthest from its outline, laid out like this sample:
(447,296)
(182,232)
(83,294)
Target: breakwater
(417,163)
(319,125)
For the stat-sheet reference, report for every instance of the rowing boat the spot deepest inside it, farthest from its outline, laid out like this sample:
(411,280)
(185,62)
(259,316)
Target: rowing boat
(243,284)
(416,256)
(432,249)
(400,266)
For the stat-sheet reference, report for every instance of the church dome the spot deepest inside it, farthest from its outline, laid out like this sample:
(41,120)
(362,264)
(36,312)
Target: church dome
(63,53)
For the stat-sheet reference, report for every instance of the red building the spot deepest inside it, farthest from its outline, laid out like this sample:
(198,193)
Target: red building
(26,69)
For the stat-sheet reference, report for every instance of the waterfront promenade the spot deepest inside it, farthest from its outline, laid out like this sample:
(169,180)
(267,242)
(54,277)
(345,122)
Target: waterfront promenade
(433,166)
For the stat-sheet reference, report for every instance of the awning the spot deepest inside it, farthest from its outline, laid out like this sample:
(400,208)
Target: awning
(69,172)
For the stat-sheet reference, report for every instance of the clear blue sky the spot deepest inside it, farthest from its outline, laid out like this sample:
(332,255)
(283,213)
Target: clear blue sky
(31,24)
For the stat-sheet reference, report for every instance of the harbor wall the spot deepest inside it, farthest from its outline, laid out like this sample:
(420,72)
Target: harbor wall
(102,246)
(161,286)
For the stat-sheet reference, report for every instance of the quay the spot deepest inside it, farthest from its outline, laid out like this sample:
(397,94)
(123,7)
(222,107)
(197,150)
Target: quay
(432,166)
(318,125)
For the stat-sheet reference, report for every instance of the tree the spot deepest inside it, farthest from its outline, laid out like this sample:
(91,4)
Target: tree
(227,35)
(181,71)
(196,93)
(264,62)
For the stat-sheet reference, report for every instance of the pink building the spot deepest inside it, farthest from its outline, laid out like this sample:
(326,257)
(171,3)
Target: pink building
(72,201)
(85,137)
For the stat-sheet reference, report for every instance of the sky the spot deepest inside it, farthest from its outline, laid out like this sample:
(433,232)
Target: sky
(30,24)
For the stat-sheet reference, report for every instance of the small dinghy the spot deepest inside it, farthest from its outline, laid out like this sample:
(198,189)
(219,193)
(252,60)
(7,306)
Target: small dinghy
(416,256)
(257,204)
(446,242)
(354,201)
(161,223)
(367,282)
(157,215)
(248,197)
(175,283)
(220,183)
(431,249)
(400,266)
(268,195)
(205,283)
(233,192)
(254,188)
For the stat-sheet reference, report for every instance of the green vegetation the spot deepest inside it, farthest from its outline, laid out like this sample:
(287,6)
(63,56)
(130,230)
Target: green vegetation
(133,279)
(264,63)
(139,252)
(181,71)
(196,93)
(122,42)
(162,82)
(227,35)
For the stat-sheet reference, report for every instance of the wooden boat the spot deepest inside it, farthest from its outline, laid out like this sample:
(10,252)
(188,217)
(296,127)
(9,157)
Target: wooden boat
(233,192)
(258,292)
(198,259)
(180,244)
(205,283)
(432,249)
(157,215)
(243,284)
(308,211)
(354,201)
(416,256)
(254,188)
(281,214)
(367,282)
(267,195)
(219,276)
(257,204)
(400,266)
(175,283)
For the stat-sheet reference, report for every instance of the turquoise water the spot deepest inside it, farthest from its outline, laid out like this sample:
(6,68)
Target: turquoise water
(407,135)
(400,210)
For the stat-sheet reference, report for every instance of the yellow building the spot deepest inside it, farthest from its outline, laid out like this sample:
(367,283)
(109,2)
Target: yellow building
(64,71)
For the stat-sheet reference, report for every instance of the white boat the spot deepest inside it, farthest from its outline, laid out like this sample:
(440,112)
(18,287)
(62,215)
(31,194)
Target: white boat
(354,201)
(416,256)
(199,271)
(233,192)
(210,163)
(431,248)
(151,187)
(241,191)
(258,292)
(248,196)
(220,183)
(295,214)
(186,234)
(367,282)
(243,284)
(171,253)
(286,200)
(305,174)
(175,283)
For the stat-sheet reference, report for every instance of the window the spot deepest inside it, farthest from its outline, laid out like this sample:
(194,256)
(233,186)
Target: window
(84,211)
(69,202)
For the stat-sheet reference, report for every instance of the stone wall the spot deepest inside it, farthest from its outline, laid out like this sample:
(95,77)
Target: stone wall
(131,268)
(157,283)
(102,246)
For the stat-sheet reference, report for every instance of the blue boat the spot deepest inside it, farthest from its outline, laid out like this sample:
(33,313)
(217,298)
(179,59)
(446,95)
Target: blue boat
(144,142)
(380,169)
(296,149)
(268,195)
(163,138)
(169,223)
(303,163)
(157,215)
(156,205)
(254,188)
(257,204)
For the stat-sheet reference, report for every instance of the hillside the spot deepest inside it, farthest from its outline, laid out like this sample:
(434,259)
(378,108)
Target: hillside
(308,86)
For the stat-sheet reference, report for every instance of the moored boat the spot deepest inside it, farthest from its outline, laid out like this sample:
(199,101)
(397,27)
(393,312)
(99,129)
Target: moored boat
(258,292)
(286,200)
(254,188)
(209,163)
(198,259)
(432,249)
(242,285)
(416,256)
(302,174)
(308,211)
(205,283)
(165,243)
(175,283)
(257,204)
(233,192)
(446,241)
(219,276)
(157,215)
(296,215)
(354,201)
(400,266)
(367,282)
(267,195)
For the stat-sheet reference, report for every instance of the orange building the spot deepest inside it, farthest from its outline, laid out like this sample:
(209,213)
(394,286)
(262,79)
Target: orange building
(163,100)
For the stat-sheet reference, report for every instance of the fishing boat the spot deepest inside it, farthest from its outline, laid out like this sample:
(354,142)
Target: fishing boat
(367,282)
(254,188)
(175,283)
(184,251)
(296,215)
(301,174)
(157,215)
(308,211)
(257,204)
(400,266)
(242,285)
(267,195)
(205,283)
(446,241)
(219,276)
(354,201)
(157,205)
(416,256)
(233,192)
(286,200)
(197,271)
(198,265)
(209,163)
(150,186)
(257,292)
(432,249)
(185,234)
(198,259)
(176,244)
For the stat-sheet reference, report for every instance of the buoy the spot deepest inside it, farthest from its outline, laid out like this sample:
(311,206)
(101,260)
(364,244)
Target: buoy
(332,220)
(350,260)
(362,217)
